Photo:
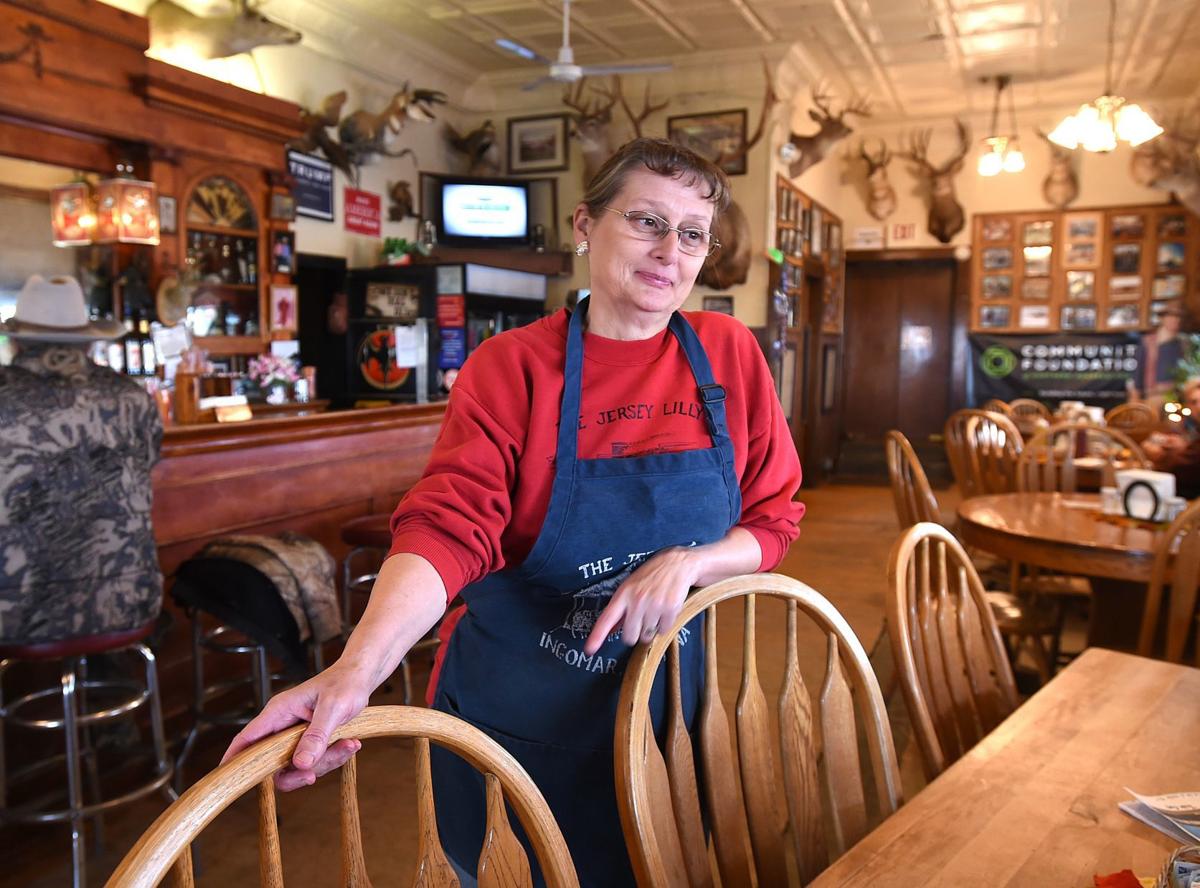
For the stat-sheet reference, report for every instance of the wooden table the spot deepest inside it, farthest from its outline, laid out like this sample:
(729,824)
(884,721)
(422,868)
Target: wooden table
(1064,532)
(1035,803)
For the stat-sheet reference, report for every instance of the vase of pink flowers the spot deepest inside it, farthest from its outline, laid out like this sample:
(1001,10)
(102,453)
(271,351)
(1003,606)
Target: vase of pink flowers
(274,377)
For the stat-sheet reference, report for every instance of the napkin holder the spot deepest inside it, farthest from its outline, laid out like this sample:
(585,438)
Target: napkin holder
(1146,495)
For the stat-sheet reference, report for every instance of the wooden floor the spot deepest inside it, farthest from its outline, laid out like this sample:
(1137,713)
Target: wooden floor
(842,553)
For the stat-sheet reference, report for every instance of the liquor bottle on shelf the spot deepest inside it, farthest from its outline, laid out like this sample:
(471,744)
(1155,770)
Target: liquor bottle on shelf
(149,355)
(228,266)
(133,348)
(243,265)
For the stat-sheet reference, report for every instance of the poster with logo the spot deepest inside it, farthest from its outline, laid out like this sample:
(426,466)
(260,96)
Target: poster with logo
(313,188)
(1061,367)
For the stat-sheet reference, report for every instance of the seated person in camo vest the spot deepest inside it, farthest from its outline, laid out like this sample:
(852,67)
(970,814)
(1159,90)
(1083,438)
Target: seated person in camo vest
(77,442)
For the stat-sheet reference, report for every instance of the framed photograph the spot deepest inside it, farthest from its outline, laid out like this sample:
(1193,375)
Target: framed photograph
(1171,256)
(1127,258)
(1079,317)
(1125,288)
(537,144)
(1124,316)
(283,308)
(997,257)
(1082,226)
(722,304)
(1172,226)
(1039,234)
(283,207)
(1034,316)
(1169,287)
(283,252)
(997,286)
(997,228)
(1081,286)
(713,135)
(1081,254)
(829,355)
(1158,307)
(1129,225)
(835,240)
(816,228)
(1035,288)
(168,215)
(994,315)
(1037,261)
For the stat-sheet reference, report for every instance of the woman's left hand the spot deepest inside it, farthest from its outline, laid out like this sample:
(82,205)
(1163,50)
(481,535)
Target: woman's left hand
(649,600)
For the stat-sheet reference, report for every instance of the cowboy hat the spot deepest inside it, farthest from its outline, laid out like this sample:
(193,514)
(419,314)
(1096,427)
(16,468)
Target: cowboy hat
(54,310)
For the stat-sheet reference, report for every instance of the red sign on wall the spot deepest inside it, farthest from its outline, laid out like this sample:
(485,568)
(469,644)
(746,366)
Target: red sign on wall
(364,212)
(451,311)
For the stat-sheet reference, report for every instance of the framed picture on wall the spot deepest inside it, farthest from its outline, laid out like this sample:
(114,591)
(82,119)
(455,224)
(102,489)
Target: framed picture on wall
(1171,256)
(1082,226)
(283,308)
(1125,288)
(1039,234)
(168,221)
(994,315)
(1174,225)
(997,257)
(1037,260)
(1034,316)
(537,144)
(713,135)
(283,252)
(1079,317)
(1127,258)
(1081,285)
(721,304)
(997,286)
(997,228)
(1129,225)
(1124,316)
(1035,288)
(1081,255)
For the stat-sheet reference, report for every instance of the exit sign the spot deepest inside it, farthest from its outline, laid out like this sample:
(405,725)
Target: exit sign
(903,233)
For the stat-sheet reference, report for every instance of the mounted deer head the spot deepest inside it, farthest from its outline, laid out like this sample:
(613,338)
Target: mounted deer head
(731,264)
(831,129)
(218,36)
(593,121)
(946,217)
(881,197)
(1171,163)
(1061,185)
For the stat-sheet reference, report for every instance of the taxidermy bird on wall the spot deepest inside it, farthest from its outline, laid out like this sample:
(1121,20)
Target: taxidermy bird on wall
(475,146)
(217,36)
(316,133)
(401,206)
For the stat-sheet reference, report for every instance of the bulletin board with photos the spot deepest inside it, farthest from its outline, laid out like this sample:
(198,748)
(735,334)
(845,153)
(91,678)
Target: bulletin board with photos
(805,230)
(1106,269)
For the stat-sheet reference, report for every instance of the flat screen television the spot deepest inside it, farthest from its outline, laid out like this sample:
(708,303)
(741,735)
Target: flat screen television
(483,212)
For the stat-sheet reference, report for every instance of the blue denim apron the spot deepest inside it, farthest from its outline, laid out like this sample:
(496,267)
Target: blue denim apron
(515,665)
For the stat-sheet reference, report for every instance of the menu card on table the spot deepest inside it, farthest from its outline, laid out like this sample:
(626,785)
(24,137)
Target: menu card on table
(1176,814)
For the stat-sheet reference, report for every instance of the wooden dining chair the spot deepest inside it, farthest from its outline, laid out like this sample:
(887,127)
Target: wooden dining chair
(777,821)
(958,444)
(1136,419)
(165,848)
(911,491)
(1029,415)
(1047,462)
(995,405)
(992,451)
(952,664)
(1177,566)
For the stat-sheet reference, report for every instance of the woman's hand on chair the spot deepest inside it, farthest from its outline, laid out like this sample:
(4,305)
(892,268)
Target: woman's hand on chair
(326,701)
(649,600)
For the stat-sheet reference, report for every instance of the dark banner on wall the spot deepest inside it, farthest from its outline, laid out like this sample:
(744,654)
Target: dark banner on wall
(313,188)
(1057,367)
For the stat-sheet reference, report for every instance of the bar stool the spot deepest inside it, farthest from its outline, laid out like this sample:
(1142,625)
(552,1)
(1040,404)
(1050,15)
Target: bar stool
(372,535)
(76,723)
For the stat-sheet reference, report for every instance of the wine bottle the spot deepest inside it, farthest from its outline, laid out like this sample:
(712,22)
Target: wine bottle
(149,355)
(133,348)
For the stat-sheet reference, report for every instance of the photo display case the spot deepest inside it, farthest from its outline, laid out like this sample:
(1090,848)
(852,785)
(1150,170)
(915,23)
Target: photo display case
(1105,269)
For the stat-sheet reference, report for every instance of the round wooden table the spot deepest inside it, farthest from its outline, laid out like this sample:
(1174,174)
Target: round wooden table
(1064,532)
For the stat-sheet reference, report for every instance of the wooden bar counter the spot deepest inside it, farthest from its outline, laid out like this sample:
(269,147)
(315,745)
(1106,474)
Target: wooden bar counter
(309,474)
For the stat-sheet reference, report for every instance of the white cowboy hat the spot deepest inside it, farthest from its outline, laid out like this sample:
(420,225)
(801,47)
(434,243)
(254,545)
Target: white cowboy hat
(54,310)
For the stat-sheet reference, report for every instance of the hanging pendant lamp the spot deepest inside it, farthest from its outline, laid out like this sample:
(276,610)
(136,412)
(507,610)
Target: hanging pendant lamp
(1002,154)
(1098,125)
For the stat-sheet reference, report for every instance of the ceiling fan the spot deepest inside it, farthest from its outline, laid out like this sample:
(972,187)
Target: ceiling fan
(563,69)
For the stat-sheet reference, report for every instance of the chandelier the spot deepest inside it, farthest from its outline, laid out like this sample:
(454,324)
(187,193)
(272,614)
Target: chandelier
(1002,153)
(120,209)
(1098,125)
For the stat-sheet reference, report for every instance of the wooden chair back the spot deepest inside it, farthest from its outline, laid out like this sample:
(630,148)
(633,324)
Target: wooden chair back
(781,815)
(1177,564)
(950,658)
(1137,420)
(992,449)
(958,446)
(1029,415)
(910,486)
(1048,461)
(995,405)
(165,848)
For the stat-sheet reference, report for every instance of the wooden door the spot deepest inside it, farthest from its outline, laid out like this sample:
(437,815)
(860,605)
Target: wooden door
(898,341)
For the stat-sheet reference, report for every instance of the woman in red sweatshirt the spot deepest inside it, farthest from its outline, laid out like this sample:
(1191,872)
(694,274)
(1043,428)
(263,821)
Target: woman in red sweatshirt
(570,541)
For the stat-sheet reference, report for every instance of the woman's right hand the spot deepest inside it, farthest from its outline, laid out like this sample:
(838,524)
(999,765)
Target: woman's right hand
(326,701)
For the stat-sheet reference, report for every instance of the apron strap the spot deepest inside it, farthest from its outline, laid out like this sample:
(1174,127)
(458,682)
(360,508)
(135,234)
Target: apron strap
(712,395)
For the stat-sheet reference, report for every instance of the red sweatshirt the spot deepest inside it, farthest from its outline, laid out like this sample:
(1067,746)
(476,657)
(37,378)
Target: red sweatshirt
(480,504)
(483,498)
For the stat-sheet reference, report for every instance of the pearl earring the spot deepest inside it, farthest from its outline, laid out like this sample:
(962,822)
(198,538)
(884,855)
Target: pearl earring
(582,248)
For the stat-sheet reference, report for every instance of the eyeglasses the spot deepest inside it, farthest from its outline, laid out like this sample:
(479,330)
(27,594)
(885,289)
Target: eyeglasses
(647,226)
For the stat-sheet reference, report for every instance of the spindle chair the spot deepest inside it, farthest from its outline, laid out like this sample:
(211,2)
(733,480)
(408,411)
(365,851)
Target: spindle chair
(1029,414)
(995,405)
(958,445)
(659,798)
(910,485)
(1177,557)
(1136,419)
(165,848)
(1047,462)
(952,664)
(992,451)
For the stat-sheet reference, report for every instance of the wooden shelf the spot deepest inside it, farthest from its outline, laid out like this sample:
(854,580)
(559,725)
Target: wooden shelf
(230,345)
(785,223)
(216,229)
(551,264)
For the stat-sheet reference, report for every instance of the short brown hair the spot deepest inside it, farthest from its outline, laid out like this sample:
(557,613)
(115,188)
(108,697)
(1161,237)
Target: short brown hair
(666,159)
